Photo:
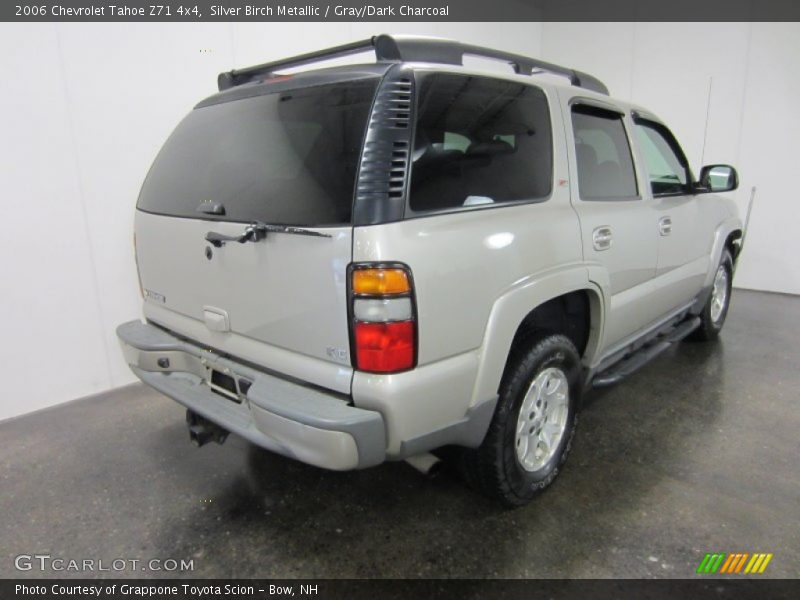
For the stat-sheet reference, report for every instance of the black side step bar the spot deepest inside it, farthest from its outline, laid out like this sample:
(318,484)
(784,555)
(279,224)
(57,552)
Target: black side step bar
(398,48)
(620,370)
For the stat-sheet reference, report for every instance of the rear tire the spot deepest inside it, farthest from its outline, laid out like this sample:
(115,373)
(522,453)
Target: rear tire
(531,432)
(712,318)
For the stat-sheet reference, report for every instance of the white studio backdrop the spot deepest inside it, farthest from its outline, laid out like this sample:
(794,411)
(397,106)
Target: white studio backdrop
(84,108)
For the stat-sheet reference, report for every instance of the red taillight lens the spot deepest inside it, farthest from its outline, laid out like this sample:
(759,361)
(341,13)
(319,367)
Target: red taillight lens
(384,347)
(383,318)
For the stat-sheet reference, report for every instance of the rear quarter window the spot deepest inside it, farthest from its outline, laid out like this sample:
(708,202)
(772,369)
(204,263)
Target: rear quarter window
(284,158)
(479,141)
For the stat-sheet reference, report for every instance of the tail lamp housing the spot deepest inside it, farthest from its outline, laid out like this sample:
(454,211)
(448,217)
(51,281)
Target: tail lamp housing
(383,317)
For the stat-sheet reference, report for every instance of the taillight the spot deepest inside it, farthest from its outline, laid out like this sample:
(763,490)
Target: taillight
(383,318)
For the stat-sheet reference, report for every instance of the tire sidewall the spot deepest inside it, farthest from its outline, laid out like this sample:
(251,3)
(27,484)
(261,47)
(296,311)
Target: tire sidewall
(715,328)
(555,351)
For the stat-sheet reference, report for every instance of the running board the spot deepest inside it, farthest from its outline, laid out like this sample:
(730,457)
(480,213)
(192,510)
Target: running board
(620,370)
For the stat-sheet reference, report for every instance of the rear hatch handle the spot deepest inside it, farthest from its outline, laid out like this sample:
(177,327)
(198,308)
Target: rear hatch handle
(258,231)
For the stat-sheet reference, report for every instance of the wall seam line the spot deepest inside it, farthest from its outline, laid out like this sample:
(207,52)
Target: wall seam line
(744,93)
(633,61)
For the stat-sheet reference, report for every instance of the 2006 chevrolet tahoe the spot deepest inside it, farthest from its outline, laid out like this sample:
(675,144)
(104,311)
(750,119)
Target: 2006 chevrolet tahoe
(365,263)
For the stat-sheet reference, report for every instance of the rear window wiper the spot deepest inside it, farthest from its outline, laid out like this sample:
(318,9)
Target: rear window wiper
(258,231)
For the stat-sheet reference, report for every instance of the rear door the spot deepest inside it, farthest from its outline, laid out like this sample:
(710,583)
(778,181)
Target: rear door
(615,219)
(285,158)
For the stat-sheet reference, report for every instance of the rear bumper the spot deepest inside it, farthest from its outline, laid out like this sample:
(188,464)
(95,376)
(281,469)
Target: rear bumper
(288,418)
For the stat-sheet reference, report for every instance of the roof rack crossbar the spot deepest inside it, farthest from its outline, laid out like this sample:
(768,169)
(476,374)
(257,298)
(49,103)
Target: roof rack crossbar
(389,48)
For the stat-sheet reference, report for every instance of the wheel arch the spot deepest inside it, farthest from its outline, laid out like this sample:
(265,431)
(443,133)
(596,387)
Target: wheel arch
(543,304)
(728,236)
(734,243)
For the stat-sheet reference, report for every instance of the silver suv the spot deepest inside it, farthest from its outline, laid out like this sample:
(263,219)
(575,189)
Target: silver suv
(364,263)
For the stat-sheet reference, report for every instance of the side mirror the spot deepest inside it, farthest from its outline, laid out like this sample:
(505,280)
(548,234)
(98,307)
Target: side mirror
(717,178)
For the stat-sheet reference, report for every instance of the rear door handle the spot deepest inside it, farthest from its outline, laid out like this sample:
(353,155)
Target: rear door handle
(601,238)
(665,225)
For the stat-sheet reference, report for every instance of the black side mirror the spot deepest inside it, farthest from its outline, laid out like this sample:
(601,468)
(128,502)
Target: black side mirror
(717,178)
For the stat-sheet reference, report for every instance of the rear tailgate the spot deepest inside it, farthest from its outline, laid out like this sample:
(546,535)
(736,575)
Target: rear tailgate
(286,158)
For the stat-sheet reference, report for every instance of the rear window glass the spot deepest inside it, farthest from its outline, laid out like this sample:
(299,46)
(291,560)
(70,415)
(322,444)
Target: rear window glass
(284,158)
(479,141)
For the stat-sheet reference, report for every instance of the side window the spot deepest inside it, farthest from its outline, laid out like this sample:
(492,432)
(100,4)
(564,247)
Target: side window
(479,141)
(605,164)
(666,164)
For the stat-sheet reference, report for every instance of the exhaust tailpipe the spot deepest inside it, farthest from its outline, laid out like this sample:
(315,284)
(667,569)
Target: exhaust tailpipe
(427,464)
(202,431)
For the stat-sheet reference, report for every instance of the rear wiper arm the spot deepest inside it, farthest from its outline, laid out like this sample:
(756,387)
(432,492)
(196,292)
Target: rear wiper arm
(288,229)
(258,231)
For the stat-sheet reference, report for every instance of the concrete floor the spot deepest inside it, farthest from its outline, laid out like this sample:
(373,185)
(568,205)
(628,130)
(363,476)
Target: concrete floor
(696,453)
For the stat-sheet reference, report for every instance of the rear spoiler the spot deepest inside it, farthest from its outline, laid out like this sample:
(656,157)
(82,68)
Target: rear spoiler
(396,49)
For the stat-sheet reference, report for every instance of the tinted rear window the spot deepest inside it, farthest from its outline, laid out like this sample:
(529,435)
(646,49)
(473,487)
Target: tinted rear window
(284,158)
(480,141)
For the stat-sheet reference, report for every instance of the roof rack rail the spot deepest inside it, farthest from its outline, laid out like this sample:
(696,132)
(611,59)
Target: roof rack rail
(397,48)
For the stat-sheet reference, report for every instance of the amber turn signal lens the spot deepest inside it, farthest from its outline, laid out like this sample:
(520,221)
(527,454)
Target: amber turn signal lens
(380,281)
